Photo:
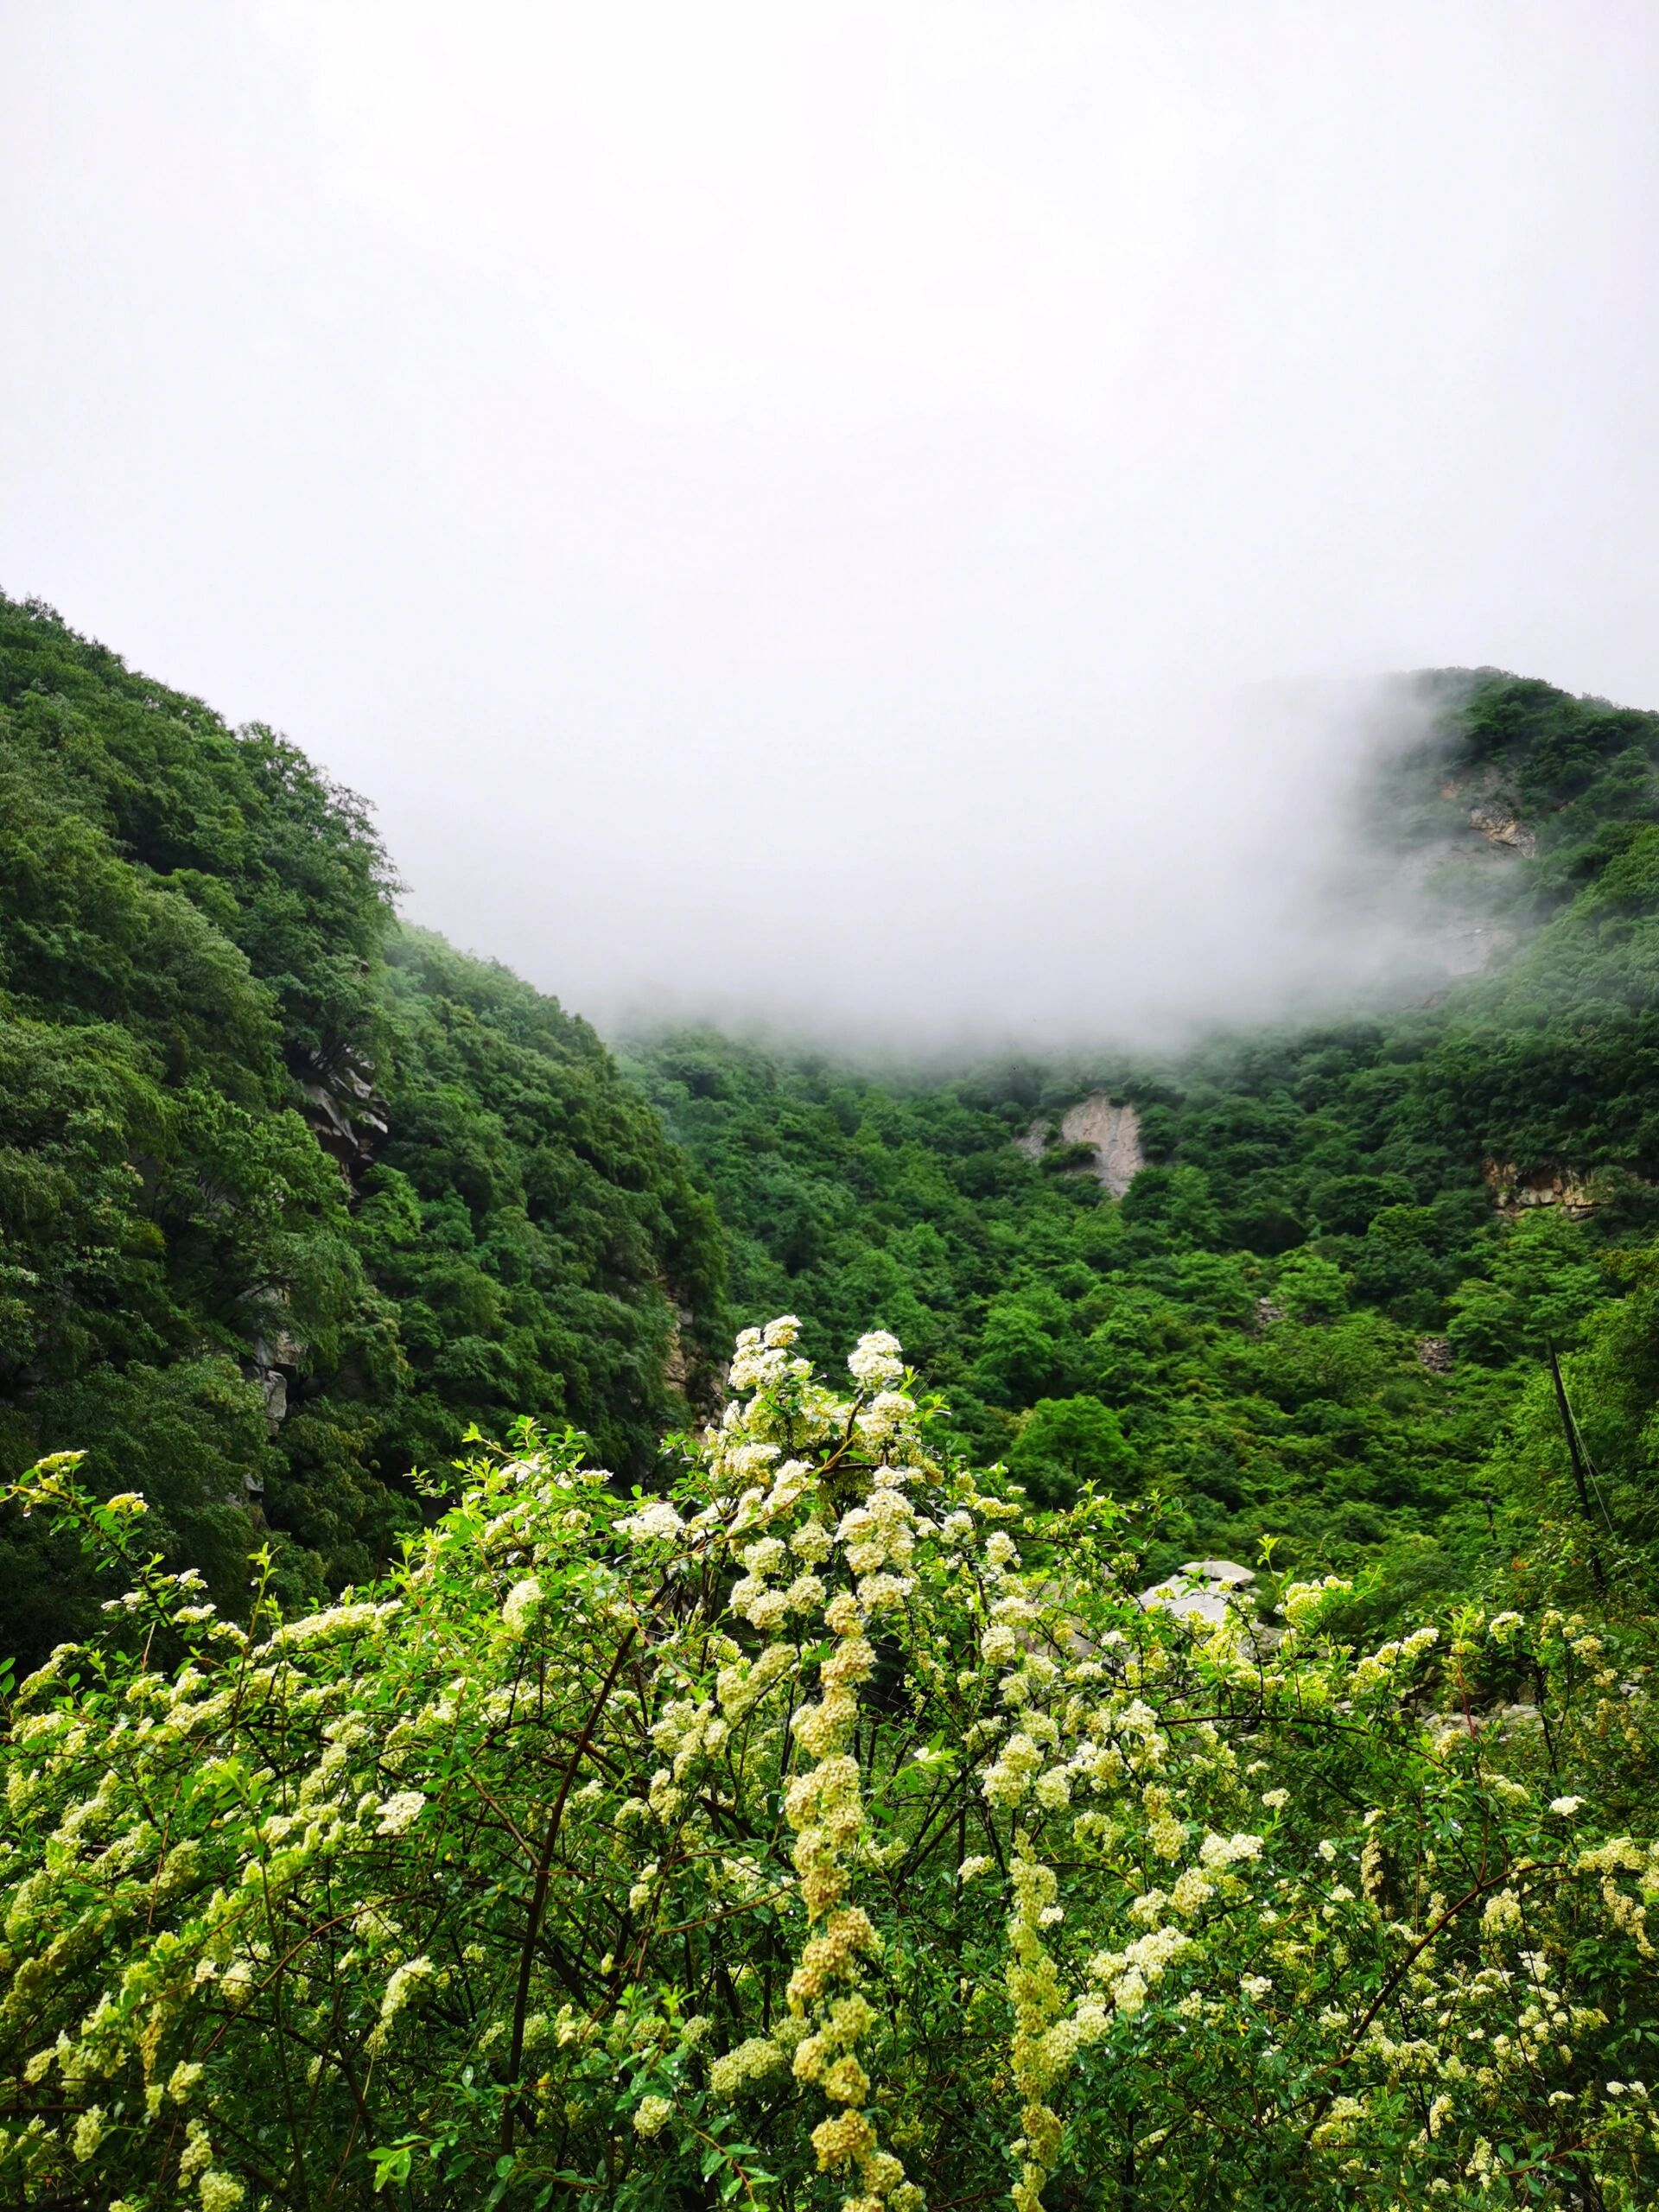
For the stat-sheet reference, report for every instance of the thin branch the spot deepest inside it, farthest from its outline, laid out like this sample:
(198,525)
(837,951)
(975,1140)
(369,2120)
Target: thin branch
(538,1900)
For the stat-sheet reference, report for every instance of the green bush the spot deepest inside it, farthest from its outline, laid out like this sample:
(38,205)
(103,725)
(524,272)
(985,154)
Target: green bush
(834,1827)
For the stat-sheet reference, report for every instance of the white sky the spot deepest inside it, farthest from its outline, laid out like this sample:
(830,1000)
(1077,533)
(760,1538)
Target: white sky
(776,503)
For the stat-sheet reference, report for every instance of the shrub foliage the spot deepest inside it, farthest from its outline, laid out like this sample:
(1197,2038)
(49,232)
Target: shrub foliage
(834,1830)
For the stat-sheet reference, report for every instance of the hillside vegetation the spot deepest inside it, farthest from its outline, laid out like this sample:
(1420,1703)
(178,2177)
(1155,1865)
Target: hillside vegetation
(422,1801)
(835,1830)
(291,1197)
(1308,1317)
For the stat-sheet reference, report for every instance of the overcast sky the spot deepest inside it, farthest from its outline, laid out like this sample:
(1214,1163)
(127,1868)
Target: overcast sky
(815,506)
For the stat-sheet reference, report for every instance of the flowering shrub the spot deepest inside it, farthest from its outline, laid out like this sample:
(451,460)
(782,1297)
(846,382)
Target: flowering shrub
(830,1831)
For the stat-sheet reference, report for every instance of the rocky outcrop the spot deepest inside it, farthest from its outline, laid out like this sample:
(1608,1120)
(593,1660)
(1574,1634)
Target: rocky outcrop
(348,1116)
(1448,867)
(274,1355)
(1515,1194)
(1493,812)
(1471,950)
(1203,1590)
(1110,1129)
(1496,821)
(345,1112)
(687,1371)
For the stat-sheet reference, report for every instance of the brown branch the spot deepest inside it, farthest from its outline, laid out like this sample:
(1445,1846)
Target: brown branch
(538,1899)
(1493,1882)
(729,1912)
(506,1819)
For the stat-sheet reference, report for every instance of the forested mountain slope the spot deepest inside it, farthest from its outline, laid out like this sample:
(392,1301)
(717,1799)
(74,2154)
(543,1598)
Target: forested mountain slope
(292,1196)
(289,1195)
(558,1855)
(1329,1288)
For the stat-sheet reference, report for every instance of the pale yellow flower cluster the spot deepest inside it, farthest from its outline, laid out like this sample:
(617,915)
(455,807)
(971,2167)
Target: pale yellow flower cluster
(400,1990)
(823,1803)
(1025,1726)
(750,2066)
(1034,1991)
(522,1604)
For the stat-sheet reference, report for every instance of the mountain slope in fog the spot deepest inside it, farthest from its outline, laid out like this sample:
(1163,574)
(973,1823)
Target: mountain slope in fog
(1329,1287)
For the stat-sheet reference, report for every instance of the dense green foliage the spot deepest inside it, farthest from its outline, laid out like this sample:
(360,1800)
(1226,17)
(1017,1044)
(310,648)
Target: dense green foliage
(810,1834)
(289,1196)
(837,1831)
(1307,1317)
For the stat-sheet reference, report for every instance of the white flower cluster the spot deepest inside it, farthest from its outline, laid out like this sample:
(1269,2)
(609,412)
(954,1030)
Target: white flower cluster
(1037,2057)
(875,1359)
(1217,1851)
(1129,1973)
(523,1603)
(338,1623)
(687,1731)
(1379,1668)
(748,2067)
(651,2114)
(1008,1779)
(405,1980)
(880,1535)
(782,1581)
(755,1598)
(398,1813)
(1301,1603)
(654,1523)
(741,1683)
(763,1360)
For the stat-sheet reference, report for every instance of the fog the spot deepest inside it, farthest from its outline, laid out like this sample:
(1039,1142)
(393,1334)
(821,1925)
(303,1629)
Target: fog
(876,517)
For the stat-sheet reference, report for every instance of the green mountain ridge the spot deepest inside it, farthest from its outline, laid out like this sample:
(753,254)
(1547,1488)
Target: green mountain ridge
(290,1195)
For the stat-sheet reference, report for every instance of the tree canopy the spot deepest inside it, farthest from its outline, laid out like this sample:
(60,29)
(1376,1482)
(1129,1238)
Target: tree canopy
(290,1196)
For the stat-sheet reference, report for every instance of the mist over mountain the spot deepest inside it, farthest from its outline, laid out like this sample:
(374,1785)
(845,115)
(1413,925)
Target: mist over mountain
(1222,860)
(1199,858)
(802,516)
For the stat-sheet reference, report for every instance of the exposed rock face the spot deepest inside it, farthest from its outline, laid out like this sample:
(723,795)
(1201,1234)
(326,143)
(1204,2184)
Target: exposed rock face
(274,1383)
(1467,942)
(677,1366)
(1493,812)
(1203,1590)
(1471,951)
(1435,1354)
(345,1113)
(1114,1130)
(700,1381)
(1515,1194)
(274,1358)
(1495,820)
